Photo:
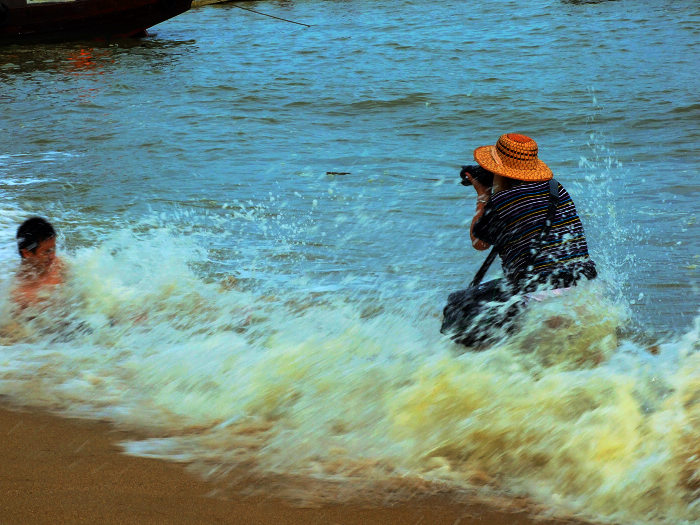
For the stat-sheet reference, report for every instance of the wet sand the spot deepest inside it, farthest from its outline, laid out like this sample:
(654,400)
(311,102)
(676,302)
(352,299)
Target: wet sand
(56,470)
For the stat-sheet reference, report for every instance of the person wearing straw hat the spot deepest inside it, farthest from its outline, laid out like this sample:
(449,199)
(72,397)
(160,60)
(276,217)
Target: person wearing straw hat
(531,222)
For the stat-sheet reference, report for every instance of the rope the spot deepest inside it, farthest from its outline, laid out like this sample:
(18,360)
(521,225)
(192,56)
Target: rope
(271,16)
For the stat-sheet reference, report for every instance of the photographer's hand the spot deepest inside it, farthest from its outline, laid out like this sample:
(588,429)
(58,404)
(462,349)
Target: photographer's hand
(483,193)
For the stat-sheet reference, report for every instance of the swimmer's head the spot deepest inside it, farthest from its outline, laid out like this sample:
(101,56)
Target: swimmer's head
(36,240)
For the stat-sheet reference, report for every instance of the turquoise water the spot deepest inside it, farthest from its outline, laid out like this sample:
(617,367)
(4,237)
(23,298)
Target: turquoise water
(262,222)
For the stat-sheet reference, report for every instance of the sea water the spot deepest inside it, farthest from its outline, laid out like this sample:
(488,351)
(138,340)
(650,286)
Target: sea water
(261,223)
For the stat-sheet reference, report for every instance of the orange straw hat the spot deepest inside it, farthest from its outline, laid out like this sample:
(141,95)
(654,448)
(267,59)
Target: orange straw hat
(514,156)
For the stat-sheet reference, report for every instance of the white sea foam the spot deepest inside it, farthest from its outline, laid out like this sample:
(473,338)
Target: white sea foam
(327,387)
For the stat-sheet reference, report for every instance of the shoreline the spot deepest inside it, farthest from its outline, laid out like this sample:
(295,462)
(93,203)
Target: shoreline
(64,470)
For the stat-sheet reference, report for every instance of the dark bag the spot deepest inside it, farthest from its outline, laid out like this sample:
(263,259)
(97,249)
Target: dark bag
(476,316)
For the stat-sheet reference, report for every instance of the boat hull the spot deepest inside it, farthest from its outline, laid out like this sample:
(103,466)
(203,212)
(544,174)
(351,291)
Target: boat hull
(26,21)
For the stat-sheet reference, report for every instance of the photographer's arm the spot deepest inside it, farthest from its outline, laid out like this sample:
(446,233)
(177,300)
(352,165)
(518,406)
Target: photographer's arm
(483,194)
(477,243)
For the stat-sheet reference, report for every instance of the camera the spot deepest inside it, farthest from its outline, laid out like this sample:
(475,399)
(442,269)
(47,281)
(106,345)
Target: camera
(485,177)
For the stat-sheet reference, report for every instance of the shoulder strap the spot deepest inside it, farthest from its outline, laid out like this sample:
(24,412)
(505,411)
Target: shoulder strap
(549,220)
(551,210)
(485,266)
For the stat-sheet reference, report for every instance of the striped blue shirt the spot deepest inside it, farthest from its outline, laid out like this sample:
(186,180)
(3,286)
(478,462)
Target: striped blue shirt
(519,214)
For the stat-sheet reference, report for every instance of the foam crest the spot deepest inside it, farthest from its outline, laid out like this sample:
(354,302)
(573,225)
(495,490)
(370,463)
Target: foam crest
(338,387)
(583,439)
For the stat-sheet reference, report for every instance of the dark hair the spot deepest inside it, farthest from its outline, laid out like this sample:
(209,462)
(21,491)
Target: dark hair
(33,231)
(508,183)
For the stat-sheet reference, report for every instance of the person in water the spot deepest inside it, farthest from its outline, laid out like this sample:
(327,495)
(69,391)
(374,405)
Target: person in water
(40,270)
(535,229)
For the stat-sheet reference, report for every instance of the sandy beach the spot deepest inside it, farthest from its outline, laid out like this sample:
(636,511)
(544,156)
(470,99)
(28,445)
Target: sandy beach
(57,470)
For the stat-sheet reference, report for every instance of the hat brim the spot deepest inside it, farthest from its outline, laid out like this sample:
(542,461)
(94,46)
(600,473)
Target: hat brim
(486,157)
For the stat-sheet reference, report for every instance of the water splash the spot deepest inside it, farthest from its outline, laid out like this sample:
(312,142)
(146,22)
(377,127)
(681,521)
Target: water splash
(329,386)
